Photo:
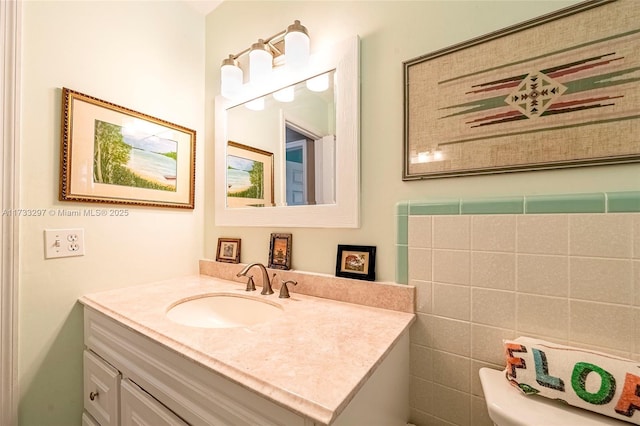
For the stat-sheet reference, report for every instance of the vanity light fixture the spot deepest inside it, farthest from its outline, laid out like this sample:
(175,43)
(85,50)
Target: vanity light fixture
(319,83)
(285,95)
(296,41)
(291,44)
(231,77)
(256,104)
(260,62)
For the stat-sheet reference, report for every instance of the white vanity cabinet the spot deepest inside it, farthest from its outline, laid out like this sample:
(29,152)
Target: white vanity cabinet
(101,391)
(139,408)
(165,384)
(140,381)
(113,401)
(320,362)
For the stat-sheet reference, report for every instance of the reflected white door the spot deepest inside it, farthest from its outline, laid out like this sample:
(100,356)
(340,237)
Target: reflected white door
(296,171)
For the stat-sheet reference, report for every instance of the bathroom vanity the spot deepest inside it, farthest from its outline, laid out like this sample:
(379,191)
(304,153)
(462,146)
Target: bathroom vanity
(318,362)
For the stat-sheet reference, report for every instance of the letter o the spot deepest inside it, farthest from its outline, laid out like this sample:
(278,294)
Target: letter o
(579,379)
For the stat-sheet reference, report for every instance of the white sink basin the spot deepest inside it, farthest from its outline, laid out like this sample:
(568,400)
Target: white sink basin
(223,311)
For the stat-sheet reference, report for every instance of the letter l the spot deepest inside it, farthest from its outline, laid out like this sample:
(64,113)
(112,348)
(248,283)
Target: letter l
(542,372)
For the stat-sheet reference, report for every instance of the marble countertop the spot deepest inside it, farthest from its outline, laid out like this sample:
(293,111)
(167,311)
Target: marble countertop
(312,359)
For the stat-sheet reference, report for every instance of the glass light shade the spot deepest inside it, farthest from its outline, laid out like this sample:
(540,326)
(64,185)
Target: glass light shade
(260,62)
(285,95)
(230,78)
(319,83)
(256,104)
(296,46)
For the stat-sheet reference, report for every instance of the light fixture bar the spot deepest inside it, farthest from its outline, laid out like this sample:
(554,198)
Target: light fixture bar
(273,40)
(289,46)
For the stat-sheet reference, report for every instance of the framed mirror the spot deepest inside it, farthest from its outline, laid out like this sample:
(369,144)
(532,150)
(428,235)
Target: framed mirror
(287,153)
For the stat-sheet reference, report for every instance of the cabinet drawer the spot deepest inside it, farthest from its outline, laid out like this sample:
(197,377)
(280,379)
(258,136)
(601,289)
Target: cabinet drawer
(101,390)
(138,405)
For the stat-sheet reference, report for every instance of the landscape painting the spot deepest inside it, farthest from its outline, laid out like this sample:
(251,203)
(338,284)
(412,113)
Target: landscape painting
(130,157)
(114,155)
(249,176)
(245,178)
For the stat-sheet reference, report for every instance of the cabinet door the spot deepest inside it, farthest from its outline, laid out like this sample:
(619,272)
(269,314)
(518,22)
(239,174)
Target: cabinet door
(87,420)
(101,390)
(141,409)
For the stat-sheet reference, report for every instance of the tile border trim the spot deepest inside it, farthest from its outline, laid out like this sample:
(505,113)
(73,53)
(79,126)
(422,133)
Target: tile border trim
(599,202)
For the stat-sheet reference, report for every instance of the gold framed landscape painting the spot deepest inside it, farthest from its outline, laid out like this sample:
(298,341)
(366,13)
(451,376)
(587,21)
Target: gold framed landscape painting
(112,154)
(561,90)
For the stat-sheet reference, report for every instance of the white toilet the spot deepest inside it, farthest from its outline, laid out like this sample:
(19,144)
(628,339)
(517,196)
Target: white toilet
(509,407)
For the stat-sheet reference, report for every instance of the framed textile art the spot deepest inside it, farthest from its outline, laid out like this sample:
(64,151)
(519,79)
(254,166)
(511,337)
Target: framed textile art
(561,90)
(112,154)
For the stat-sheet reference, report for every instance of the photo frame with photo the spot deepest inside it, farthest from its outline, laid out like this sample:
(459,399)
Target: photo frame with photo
(280,251)
(357,262)
(228,250)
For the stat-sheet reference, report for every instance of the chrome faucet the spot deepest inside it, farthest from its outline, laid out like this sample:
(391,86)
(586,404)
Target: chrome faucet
(266,282)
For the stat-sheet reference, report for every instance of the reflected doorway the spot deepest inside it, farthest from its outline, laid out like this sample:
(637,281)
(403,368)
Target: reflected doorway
(310,167)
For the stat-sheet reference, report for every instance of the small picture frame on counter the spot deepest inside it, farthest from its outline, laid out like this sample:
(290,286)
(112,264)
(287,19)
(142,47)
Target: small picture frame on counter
(280,251)
(357,262)
(228,250)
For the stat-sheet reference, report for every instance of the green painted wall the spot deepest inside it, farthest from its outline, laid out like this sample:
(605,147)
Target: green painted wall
(150,56)
(147,56)
(391,32)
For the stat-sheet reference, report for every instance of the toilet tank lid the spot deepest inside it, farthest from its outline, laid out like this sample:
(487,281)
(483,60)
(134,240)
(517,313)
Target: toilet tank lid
(509,407)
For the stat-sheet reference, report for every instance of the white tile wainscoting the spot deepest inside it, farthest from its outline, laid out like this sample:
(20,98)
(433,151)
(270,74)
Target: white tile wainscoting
(567,277)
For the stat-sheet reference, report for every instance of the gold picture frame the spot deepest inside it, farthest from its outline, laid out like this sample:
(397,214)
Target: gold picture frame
(557,91)
(114,155)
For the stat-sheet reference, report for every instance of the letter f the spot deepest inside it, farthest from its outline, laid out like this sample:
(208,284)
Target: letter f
(514,362)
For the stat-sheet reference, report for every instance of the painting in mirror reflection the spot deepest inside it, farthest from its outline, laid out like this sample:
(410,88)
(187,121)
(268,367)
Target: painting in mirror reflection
(299,131)
(249,176)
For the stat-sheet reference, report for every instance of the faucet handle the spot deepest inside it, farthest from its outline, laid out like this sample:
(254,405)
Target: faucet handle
(284,291)
(250,284)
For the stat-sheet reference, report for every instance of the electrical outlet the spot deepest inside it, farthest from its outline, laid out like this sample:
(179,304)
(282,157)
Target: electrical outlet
(63,243)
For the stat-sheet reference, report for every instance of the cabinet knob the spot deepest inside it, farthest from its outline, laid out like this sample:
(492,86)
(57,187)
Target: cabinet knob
(93,395)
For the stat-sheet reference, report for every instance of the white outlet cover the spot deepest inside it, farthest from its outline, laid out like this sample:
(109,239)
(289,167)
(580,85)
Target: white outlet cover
(63,243)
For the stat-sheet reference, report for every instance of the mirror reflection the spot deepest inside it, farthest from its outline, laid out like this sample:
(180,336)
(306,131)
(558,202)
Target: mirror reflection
(281,147)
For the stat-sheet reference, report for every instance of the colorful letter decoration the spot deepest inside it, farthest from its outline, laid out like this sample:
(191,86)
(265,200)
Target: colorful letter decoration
(586,379)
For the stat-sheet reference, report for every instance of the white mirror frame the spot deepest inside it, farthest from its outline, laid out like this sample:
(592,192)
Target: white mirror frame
(345,213)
